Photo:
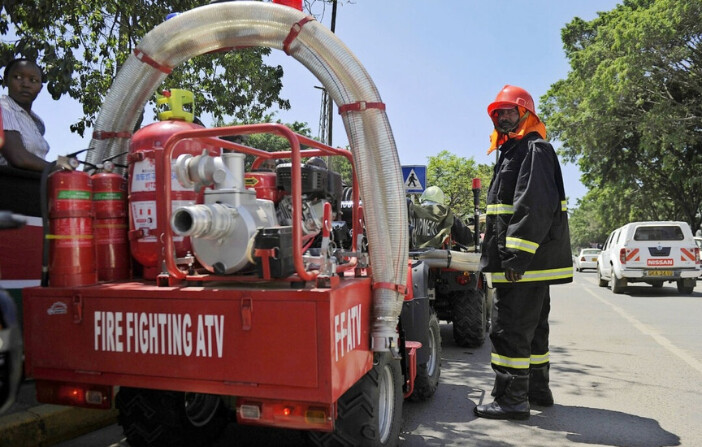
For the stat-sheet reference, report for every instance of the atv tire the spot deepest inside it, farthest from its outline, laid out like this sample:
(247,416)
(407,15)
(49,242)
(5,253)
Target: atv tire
(153,418)
(469,318)
(428,373)
(370,412)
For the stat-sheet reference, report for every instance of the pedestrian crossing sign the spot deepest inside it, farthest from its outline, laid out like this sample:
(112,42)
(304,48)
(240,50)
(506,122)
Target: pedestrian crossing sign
(415,178)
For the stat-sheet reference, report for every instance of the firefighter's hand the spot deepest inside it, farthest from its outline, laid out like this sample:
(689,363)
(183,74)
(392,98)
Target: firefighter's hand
(512,275)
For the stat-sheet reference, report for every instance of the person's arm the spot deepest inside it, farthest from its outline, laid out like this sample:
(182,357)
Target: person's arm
(17,156)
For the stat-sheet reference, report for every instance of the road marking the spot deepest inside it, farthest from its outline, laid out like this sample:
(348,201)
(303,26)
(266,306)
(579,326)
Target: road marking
(661,340)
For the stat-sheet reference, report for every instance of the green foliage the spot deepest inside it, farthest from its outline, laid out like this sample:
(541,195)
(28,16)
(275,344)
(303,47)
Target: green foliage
(267,141)
(454,175)
(82,45)
(629,113)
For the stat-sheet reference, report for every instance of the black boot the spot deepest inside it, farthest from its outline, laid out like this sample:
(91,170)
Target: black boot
(539,392)
(511,398)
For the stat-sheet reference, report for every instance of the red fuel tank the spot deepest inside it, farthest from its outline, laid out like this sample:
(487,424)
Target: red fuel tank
(145,159)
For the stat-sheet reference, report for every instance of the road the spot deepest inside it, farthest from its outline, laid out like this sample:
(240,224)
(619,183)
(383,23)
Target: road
(626,371)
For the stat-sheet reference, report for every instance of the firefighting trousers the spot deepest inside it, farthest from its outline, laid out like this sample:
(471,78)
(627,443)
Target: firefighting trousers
(520,329)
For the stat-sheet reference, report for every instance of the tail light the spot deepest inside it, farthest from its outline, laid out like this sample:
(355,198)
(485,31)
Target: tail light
(582,258)
(75,394)
(622,255)
(287,414)
(697,255)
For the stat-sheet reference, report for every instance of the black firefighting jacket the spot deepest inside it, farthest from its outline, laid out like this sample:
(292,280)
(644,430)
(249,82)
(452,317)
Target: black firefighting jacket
(527,220)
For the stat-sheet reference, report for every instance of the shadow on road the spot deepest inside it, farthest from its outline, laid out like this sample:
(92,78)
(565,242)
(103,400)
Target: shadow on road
(603,427)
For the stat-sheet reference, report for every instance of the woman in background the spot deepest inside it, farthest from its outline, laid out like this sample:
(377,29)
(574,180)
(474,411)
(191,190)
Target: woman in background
(24,146)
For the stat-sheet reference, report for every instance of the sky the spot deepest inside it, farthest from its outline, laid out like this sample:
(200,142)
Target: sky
(436,63)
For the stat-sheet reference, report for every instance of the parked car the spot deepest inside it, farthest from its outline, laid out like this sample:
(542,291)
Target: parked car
(650,252)
(587,259)
(698,241)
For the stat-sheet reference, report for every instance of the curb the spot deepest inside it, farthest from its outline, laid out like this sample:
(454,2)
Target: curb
(46,425)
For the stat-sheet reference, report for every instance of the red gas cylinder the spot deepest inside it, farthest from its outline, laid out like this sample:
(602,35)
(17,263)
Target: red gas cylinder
(71,242)
(145,159)
(110,226)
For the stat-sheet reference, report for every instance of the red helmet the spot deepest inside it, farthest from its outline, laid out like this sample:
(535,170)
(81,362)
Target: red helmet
(511,96)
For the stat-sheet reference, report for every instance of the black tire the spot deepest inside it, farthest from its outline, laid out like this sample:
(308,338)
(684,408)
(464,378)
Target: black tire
(370,412)
(153,418)
(428,373)
(469,322)
(618,284)
(600,280)
(686,287)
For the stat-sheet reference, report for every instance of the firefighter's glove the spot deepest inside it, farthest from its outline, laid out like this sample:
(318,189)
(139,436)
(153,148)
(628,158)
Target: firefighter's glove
(512,275)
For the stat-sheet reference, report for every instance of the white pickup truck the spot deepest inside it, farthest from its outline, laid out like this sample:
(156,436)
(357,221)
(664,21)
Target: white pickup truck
(650,252)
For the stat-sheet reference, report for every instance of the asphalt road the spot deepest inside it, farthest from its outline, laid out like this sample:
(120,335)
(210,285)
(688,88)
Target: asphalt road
(626,371)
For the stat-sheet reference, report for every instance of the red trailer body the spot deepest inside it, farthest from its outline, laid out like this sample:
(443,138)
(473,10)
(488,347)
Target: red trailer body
(306,344)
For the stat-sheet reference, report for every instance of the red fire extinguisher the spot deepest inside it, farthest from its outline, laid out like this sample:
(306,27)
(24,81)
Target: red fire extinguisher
(71,239)
(110,226)
(145,159)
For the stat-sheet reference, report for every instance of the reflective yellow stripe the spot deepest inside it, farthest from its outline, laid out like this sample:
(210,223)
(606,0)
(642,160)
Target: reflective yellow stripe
(500,208)
(536,275)
(540,359)
(518,363)
(521,244)
(564,205)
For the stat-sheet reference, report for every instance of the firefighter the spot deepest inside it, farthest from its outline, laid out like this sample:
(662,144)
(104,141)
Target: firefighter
(433,221)
(526,248)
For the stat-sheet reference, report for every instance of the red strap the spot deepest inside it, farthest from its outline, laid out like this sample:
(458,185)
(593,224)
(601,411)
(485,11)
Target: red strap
(360,106)
(147,60)
(294,31)
(399,288)
(105,135)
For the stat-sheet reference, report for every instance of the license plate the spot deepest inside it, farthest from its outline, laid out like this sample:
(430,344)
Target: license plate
(659,273)
(593,259)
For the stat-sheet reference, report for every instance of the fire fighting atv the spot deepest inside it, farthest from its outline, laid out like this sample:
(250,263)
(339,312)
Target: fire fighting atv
(249,291)
(451,279)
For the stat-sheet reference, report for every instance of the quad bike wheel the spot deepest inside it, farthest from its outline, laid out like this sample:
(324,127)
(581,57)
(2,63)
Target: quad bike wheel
(152,418)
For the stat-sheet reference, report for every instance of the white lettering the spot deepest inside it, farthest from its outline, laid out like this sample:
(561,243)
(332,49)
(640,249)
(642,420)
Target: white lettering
(118,332)
(347,331)
(98,329)
(130,330)
(187,335)
(158,333)
(219,335)
(200,350)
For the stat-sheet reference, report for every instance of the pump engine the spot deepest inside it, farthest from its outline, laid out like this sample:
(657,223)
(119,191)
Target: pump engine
(232,221)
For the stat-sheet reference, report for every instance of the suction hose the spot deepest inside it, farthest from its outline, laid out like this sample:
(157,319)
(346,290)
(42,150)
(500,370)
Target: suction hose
(457,260)
(240,24)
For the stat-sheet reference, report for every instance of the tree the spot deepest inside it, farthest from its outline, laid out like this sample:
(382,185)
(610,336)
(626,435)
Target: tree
(82,44)
(454,175)
(630,110)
